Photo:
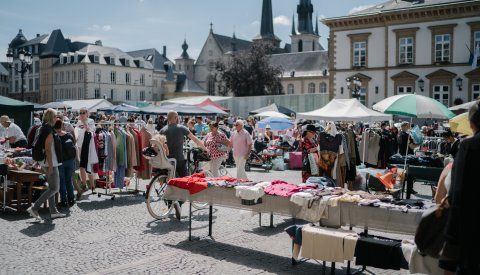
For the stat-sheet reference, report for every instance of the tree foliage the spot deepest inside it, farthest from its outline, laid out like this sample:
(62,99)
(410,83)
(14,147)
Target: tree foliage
(249,73)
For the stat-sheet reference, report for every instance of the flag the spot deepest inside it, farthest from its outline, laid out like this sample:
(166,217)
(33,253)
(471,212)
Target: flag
(475,56)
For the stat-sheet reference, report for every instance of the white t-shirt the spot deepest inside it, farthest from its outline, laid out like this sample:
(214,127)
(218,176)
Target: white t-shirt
(12,131)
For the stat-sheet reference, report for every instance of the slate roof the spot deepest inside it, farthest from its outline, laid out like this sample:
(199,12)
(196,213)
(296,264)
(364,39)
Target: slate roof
(304,63)
(152,56)
(42,39)
(185,85)
(56,45)
(225,43)
(110,51)
(392,5)
(3,69)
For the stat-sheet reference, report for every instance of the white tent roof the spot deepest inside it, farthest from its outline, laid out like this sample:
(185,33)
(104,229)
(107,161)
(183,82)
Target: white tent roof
(193,100)
(345,110)
(271,114)
(91,104)
(464,106)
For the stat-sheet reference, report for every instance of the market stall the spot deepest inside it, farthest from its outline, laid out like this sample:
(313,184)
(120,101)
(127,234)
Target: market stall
(20,112)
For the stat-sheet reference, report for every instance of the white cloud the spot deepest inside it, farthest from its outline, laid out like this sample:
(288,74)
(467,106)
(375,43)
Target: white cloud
(282,20)
(360,8)
(255,23)
(96,27)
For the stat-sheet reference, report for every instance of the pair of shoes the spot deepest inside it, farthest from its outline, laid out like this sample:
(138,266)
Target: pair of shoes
(57,215)
(71,202)
(34,213)
(178,210)
(62,204)
(79,195)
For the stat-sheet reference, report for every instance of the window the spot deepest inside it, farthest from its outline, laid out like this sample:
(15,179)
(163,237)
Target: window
(97,93)
(112,91)
(290,89)
(74,76)
(211,65)
(56,93)
(61,94)
(16,86)
(127,95)
(363,96)
(80,93)
(142,95)
(30,84)
(36,67)
(113,77)
(56,77)
(112,60)
(98,75)
(179,67)
(311,88)
(405,89)
(62,77)
(142,79)
(37,84)
(475,91)
(211,85)
(68,77)
(128,78)
(359,54)
(405,50)
(96,59)
(155,83)
(476,45)
(442,48)
(442,94)
(127,63)
(74,93)
(80,75)
(300,45)
(323,88)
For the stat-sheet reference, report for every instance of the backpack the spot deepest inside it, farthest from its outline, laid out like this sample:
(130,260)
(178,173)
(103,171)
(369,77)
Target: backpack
(38,152)
(69,150)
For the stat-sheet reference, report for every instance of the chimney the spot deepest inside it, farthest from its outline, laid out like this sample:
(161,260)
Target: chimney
(164,51)
(98,43)
(38,35)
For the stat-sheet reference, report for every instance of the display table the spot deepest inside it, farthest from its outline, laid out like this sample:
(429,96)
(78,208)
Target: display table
(21,198)
(344,214)
(426,174)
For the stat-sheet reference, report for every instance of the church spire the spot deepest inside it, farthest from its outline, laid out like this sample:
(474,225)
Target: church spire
(316,25)
(185,48)
(305,10)
(294,30)
(266,28)
(234,43)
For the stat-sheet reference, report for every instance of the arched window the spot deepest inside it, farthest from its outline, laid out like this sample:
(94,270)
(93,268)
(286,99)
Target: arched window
(311,88)
(290,89)
(300,45)
(323,88)
(211,85)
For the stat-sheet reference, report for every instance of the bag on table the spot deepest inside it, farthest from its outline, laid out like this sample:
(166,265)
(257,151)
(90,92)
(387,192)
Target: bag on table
(430,234)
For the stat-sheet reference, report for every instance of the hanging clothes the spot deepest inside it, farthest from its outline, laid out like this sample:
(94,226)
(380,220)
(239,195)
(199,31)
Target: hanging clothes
(140,160)
(329,150)
(131,158)
(305,146)
(146,136)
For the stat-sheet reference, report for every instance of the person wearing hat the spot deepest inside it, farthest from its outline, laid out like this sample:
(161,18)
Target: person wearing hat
(268,134)
(12,133)
(308,144)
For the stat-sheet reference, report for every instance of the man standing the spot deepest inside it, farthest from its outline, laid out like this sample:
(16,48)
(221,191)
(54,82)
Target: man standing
(200,126)
(12,133)
(176,134)
(242,145)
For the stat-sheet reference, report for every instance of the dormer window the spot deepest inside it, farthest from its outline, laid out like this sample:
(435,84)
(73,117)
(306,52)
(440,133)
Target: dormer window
(149,57)
(96,59)
(127,63)
(72,59)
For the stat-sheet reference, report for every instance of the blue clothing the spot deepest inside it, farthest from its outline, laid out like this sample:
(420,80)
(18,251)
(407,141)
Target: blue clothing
(66,185)
(200,128)
(119,176)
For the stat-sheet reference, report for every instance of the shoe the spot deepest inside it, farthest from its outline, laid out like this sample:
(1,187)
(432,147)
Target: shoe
(57,215)
(178,210)
(34,213)
(62,204)
(71,202)
(79,195)
(412,192)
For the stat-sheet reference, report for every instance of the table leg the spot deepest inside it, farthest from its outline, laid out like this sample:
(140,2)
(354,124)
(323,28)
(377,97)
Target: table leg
(18,185)
(271,220)
(190,221)
(210,214)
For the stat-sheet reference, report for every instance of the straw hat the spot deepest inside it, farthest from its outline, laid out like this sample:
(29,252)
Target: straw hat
(4,119)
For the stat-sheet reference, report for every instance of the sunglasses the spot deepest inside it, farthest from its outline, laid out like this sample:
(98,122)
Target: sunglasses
(83,113)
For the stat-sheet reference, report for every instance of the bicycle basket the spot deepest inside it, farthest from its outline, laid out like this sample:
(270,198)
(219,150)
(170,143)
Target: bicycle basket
(199,155)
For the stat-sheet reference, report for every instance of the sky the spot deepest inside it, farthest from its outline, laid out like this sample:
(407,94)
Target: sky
(141,24)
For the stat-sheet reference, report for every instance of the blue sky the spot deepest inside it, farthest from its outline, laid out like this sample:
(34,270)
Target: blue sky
(141,24)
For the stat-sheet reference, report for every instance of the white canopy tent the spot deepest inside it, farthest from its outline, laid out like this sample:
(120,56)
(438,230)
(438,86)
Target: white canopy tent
(464,106)
(194,100)
(271,114)
(345,110)
(92,105)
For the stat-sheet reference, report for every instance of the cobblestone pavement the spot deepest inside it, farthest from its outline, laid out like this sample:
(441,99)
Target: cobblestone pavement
(103,236)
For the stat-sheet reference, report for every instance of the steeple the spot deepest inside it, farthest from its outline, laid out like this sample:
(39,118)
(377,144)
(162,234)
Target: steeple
(234,43)
(211,27)
(185,48)
(316,25)
(305,10)
(266,28)
(294,30)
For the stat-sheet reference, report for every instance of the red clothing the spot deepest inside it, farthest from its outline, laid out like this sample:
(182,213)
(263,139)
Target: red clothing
(194,183)
(141,165)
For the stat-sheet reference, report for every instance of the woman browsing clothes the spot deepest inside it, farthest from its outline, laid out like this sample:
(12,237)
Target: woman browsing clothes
(308,144)
(217,144)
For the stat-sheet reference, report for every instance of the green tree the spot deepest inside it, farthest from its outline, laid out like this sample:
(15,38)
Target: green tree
(249,73)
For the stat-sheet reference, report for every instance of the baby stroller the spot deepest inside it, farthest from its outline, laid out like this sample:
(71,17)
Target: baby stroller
(260,156)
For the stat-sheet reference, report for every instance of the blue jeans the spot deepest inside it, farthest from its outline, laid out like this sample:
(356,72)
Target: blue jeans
(66,185)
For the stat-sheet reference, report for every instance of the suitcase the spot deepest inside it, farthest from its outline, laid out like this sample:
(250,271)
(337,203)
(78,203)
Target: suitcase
(295,160)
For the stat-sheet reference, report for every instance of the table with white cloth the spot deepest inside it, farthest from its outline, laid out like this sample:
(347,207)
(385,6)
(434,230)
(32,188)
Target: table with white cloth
(343,214)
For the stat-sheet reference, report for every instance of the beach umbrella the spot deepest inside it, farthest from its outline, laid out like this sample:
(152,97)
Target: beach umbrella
(271,114)
(413,105)
(461,124)
(275,123)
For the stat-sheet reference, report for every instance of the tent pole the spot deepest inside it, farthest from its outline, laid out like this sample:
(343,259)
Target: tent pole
(406,153)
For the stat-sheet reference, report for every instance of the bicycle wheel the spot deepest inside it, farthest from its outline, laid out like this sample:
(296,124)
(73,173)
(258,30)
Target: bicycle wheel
(157,206)
(222,171)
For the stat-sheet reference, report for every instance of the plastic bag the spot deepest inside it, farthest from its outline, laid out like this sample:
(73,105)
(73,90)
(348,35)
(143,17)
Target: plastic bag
(416,134)
(278,164)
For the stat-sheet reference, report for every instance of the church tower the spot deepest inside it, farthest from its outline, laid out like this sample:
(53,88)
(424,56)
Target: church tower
(266,29)
(184,63)
(306,38)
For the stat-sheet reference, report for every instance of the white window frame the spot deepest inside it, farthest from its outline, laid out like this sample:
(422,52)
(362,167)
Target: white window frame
(359,51)
(443,45)
(128,78)
(311,88)
(363,96)
(290,89)
(475,91)
(96,59)
(142,79)
(80,75)
(323,88)
(401,90)
(98,75)
(405,50)
(113,77)
(97,93)
(439,94)
(142,95)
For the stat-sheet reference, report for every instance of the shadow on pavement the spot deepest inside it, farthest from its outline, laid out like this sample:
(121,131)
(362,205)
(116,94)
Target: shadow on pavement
(247,257)
(119,201)
(38,229)
(266,230)
(11,215)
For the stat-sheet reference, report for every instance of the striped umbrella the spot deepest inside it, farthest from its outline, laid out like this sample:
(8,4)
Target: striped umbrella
(413,105)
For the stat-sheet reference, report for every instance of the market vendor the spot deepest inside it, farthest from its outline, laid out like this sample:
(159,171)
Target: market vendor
(12,133)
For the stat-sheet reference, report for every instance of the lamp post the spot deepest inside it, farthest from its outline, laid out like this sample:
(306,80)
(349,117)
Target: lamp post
(354,84)
(25,58)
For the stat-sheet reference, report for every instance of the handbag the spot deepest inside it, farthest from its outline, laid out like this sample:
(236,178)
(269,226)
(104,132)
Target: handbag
(430,234)
(313,160)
